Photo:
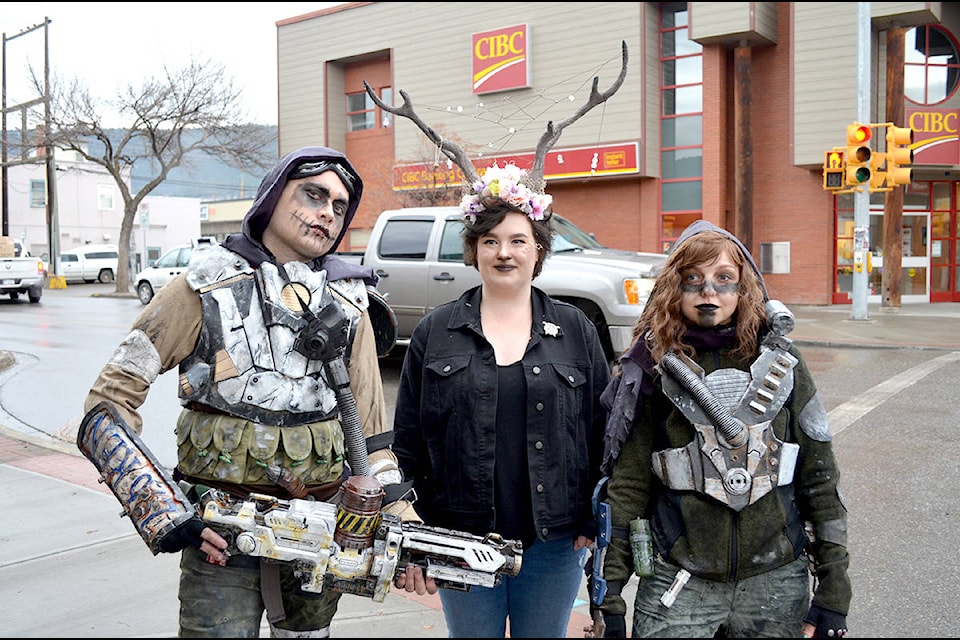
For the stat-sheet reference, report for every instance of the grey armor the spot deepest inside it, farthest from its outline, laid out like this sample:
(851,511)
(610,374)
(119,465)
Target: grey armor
(235,370)
(736,458)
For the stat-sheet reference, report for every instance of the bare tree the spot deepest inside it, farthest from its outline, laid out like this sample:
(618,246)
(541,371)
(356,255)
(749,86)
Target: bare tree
(168,121)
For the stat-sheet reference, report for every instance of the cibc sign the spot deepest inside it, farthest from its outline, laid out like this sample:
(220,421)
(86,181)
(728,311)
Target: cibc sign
(501,59)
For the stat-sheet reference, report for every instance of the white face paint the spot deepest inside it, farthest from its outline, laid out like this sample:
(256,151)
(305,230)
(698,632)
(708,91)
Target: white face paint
(308,218)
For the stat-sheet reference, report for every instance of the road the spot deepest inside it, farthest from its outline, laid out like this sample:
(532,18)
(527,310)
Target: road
(893,412)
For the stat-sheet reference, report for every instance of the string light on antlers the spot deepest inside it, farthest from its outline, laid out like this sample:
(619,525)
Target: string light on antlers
(548,139)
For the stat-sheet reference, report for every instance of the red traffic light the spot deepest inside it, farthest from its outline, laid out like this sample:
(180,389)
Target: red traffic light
(858,133)
(858,154)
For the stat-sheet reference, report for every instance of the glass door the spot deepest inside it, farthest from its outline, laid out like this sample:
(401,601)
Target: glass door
(914,261)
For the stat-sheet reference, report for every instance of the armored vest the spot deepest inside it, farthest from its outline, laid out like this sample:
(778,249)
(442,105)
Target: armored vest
(736,458)
(249,361)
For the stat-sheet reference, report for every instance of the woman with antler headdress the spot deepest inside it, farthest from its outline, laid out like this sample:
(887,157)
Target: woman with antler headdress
(498,419)
(498,416)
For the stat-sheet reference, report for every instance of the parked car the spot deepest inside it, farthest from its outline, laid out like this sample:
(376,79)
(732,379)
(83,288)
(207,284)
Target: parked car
(19,271)
(90,263)
(166,268)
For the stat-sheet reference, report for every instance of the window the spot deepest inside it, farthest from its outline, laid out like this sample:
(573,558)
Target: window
(451,243)
(681,124)
(102,255)
(38,193)
(406,239)
(931,65)
(362,112)
(105,196)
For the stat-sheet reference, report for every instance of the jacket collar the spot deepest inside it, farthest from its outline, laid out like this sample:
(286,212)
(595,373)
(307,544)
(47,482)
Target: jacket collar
(546,320)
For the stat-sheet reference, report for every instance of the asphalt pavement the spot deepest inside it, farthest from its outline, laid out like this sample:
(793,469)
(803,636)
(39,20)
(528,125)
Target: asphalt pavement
(70,566)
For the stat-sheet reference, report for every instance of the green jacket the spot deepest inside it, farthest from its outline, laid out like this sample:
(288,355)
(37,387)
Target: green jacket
(709,539)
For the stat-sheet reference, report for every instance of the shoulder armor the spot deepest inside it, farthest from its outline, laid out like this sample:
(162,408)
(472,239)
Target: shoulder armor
(352,291)
(212,264)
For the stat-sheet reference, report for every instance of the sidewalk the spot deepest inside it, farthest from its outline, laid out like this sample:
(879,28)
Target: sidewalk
(71,567)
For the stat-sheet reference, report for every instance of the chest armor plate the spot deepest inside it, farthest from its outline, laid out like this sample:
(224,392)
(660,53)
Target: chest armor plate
(245,363)
(734,475)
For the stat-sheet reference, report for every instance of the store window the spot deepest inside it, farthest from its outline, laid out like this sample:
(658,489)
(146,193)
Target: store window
(362,112)
(681,124)
(931,65)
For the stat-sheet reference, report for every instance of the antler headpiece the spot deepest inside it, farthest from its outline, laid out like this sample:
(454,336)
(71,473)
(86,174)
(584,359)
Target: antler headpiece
(519,189)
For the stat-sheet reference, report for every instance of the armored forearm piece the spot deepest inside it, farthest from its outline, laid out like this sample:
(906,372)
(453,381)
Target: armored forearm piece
(149,496)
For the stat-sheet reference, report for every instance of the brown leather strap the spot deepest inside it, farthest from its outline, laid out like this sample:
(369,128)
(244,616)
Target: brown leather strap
(270,591)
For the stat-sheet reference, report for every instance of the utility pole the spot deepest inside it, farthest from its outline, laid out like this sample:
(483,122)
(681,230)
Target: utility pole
(24,142)
(861,198)
(892,277)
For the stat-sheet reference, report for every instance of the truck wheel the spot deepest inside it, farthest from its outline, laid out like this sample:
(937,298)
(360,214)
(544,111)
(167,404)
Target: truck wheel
(106,276)
(145,292)
(34,294)
(593,313)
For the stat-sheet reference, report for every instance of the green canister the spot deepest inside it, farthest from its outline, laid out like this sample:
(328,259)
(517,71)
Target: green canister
(641,544)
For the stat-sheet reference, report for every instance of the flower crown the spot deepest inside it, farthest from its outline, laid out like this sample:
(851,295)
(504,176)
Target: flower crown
(504,183)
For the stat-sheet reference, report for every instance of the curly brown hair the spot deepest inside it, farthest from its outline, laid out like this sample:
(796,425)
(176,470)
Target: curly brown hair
(492,216)
(662,323)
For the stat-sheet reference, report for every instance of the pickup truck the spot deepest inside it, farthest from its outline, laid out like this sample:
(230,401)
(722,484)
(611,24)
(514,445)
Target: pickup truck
(418,254)
(19,271)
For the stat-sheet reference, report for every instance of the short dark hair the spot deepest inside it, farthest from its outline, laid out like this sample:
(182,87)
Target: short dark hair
(491,217)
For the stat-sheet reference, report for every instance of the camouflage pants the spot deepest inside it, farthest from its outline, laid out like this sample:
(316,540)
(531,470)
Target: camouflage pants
(226,602)
(771,605)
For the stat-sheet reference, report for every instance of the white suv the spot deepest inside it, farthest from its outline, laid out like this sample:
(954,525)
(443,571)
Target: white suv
(165,269)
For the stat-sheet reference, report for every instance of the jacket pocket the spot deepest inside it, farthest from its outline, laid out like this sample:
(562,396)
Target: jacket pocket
(572,426)
(449,365)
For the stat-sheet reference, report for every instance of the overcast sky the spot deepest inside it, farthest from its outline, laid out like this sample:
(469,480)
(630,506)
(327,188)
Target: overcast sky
(111,45)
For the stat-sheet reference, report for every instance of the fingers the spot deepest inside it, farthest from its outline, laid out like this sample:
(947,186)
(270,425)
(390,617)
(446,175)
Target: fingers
(413,579)
(214,546)
(214,538)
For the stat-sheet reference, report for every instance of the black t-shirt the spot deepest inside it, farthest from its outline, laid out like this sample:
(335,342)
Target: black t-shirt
(514,508)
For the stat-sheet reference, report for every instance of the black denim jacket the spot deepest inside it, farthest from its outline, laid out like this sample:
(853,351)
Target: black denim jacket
(446,410)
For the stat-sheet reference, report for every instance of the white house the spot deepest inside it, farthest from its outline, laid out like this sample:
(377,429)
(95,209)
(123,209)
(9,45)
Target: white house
(89,210)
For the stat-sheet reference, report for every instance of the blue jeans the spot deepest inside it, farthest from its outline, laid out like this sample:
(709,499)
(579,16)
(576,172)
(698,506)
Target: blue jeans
(538,601)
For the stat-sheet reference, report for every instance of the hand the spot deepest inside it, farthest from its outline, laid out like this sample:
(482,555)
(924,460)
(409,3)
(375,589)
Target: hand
(582,542)
(193,533)
(414,580)
(821,622)
(214,546)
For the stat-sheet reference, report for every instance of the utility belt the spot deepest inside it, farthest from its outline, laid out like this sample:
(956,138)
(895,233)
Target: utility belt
(323,492)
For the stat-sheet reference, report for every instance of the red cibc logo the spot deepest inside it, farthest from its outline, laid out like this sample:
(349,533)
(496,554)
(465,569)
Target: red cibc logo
(501,59)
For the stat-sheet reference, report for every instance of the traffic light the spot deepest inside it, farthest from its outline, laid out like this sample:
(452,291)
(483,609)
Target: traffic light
(833,170)
(858,154)
(878,172)
(899,155)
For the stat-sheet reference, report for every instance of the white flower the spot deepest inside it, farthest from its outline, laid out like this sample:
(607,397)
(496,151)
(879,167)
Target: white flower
(551,329)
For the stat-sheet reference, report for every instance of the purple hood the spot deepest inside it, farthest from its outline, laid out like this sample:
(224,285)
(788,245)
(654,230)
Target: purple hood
(249,242)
